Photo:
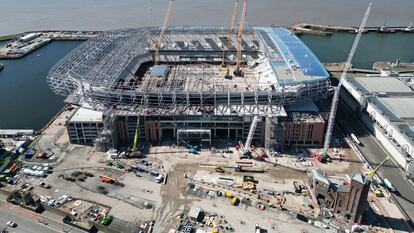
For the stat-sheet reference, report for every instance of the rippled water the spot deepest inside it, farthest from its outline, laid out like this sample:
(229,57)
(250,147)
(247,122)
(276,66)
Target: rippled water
(27,15)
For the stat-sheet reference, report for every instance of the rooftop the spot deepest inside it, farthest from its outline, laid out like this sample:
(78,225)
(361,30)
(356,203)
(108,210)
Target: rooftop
(402,107)
(369,85)
(306,105)
(86,115)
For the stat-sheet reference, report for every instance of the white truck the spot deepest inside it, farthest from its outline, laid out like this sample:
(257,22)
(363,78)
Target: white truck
(388,185)
(355,139)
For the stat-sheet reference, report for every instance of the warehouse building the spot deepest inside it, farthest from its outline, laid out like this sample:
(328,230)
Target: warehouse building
(386,107)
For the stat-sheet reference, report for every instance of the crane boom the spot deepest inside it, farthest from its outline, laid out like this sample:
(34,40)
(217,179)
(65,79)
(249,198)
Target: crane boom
(335,99)
(238,72)
(164,26)
(374,171)
(231,28)
(135,145)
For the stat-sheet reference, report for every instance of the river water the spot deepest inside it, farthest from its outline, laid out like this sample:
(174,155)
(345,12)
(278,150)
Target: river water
(26,15)
(27,102)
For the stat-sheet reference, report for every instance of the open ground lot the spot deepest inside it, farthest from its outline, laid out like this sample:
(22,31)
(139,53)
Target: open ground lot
(135,198)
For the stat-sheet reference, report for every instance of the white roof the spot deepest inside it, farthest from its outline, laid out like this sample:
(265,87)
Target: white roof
(16,131)
(403,107)
(86,115)
(383,84)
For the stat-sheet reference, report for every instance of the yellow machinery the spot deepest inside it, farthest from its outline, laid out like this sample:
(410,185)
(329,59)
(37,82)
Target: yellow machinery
(233,17)
(135,145)
(238,71)
(234,201)
(164,26)
(372,173)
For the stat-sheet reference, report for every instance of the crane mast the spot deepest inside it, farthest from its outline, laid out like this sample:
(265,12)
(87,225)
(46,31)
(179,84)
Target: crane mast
(231,27)
(335,99)
(163,28)
(238,71)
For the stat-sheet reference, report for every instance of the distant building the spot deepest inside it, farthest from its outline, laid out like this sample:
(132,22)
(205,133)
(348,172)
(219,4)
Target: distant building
(29,37)
(346,196)
(386,106)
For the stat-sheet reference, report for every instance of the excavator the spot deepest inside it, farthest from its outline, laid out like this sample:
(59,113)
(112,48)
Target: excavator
(375,189)
(372,173)
(192,149)
(134,151)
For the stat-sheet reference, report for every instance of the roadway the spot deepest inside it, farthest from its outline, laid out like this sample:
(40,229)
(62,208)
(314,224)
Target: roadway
(29,222)
(375,153)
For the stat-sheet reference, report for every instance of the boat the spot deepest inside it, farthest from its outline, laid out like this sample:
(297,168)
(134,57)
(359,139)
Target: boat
(384,29)
(1,66)
(409,28)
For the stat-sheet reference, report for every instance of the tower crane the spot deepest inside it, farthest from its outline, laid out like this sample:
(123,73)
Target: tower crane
(163,28)
(231,27)
(335,99)
(238,71)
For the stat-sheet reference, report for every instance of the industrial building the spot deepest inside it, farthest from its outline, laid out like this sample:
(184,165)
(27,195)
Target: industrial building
(183,90)
(346,196)
(386,106)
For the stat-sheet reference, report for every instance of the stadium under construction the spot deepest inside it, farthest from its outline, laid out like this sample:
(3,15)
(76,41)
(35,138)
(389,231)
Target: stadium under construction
(198,84)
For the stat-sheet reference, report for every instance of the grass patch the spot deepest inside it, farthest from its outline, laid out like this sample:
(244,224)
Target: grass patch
(7,37)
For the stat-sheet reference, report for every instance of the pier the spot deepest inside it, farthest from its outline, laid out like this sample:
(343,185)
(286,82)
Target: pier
(28,42)
(327,30)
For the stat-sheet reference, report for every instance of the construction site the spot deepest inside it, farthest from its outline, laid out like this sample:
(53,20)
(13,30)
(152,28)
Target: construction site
(200,129)
(188,85)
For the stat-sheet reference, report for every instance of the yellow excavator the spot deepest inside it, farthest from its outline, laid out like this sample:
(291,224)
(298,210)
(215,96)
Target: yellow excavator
(134,152)
(375,189)
(372,173)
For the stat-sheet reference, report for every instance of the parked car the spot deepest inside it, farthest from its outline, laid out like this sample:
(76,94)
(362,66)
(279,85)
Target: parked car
(11,224)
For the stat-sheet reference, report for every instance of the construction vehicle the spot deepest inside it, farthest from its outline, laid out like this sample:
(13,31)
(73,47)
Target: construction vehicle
(234,201)
(192,149)
(335,99)
(134,152)
(106,179)
(388,185)
(106,220)
(163,28)
(219,169)
(355,139)
(372,173)
(238,72)
(228,194)
(376,190)
(245,149)
(320,157)
(228,45)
